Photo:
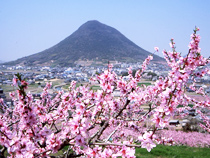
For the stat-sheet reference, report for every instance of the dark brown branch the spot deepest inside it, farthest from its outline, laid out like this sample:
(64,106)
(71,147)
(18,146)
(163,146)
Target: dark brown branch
(73,155)
(13,123)
(93,136)
(5,135)
(124,107)
(105,125)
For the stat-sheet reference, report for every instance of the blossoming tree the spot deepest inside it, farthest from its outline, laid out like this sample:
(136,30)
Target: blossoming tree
(90,123)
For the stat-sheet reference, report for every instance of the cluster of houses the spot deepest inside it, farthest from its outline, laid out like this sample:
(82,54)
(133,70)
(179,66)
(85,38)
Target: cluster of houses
(83,73)
(78,73)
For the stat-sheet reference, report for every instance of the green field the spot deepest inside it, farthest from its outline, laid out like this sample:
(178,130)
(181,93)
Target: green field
(94,87)
(162,151)
(144,83)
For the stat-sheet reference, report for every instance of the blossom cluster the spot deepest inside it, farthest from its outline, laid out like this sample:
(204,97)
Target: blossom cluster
(79,118)
(192,139)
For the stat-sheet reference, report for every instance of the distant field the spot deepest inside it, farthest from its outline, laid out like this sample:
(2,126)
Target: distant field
(144,83)
(95,87)
(7,88)
(162,151)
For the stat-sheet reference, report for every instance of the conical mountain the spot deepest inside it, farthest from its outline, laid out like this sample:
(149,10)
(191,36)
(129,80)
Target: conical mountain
(93,41)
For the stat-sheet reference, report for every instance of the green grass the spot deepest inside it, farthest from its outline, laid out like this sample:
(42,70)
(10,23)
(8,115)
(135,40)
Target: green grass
(144,83)
(95,87)
(162,151)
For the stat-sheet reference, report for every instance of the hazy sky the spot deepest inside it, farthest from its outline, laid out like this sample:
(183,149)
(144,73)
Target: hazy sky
(28,27)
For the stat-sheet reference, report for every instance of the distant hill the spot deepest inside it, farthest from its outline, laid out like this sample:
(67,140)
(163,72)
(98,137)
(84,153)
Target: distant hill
(92,42)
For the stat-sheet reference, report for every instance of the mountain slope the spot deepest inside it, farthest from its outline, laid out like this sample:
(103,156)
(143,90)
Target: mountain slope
(93,41)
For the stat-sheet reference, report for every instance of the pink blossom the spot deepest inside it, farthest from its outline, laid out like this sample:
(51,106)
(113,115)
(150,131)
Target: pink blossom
(53,143)
(156,49)
(146,141)
(95,123)
(15,81)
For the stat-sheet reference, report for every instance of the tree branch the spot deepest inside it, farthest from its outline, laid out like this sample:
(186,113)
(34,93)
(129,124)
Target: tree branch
(113,132)
(121,110)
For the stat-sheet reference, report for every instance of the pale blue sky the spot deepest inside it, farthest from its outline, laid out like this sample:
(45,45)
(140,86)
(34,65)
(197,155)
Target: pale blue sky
(28,27)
